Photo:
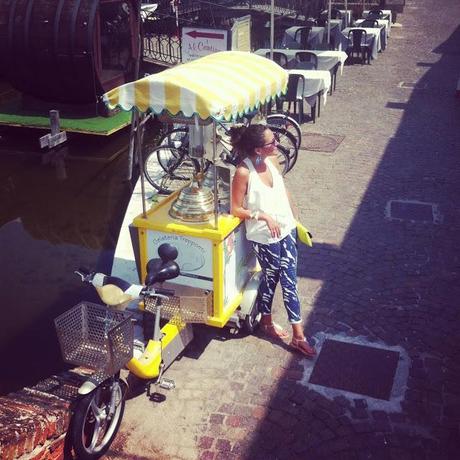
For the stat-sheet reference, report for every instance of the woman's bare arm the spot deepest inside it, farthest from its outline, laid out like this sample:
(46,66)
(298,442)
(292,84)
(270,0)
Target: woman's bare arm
(239,188)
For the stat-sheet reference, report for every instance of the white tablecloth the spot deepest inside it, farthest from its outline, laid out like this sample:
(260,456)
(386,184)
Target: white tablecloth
(383,34)
(327,60)
(316,82)
(373,37)
(382,22)
(336,27)
(315,37)
(343,21)
(347,17)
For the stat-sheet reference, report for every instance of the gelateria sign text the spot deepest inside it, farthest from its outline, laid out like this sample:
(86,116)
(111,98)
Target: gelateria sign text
(198,42)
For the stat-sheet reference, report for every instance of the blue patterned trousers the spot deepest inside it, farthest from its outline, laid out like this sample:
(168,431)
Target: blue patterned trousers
(279,263)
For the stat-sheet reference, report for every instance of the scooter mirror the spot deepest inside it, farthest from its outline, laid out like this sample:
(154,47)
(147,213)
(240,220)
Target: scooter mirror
(168,271)
(153,265)
(167,252)
(158,271)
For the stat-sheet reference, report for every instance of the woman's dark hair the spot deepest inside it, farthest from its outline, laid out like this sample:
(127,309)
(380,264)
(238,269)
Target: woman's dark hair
(245,139)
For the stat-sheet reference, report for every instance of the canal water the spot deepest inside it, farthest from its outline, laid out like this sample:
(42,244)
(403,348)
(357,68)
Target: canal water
(56,214)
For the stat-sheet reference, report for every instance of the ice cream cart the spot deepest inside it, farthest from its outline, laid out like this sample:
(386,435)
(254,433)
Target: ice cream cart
(188,239)
(219,278)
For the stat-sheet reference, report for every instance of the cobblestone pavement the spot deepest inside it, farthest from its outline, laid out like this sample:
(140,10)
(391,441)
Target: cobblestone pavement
(368,279)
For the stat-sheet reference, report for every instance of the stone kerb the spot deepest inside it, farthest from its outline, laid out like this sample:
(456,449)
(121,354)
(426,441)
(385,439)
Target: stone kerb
(34,421)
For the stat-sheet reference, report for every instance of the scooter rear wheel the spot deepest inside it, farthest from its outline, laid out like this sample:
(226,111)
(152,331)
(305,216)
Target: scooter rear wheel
(97,418)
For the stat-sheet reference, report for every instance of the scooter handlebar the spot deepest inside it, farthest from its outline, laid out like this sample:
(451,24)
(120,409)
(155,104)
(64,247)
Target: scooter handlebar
(157,292)
(165,292)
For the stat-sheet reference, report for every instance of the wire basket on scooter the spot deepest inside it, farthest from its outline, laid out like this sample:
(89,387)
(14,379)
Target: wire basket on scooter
(187,309)
(96,337)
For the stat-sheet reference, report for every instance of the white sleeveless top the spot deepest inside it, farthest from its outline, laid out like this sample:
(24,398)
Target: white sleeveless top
(269,200)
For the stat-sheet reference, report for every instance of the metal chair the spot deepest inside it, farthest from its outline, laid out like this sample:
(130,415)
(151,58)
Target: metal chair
(294,94)
(301,36)
(371,23)
(375,13)
(322,21)
(280,58)
(306,60)
(336,13)
(358,38)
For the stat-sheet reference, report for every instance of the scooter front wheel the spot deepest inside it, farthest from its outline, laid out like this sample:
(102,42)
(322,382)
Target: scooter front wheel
(96,419)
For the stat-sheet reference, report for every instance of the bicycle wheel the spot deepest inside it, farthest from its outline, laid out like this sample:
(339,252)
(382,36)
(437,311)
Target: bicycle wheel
(177,137)
(168,168)
(286,139)
(286,122)
(96,420)
(283,159)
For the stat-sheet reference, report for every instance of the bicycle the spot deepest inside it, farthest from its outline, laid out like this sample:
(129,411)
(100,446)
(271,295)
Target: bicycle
(102,338)
(284,120)
(169,165)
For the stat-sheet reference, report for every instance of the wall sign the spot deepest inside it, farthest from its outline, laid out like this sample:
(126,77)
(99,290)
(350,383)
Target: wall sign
(198,42)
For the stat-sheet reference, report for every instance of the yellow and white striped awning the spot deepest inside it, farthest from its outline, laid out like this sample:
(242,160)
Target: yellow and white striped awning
(221,86)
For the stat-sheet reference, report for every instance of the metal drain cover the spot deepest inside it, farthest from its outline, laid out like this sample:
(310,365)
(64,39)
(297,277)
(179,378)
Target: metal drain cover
(356,368)
(316,142)
(415,211)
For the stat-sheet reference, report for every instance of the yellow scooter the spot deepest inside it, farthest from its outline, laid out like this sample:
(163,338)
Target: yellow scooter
(104,339)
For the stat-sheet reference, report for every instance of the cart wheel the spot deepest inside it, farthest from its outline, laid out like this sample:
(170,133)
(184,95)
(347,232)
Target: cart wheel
(96,419)
(252,320)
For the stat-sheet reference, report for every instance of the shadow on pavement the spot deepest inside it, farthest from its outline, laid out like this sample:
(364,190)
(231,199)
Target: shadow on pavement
(391,282)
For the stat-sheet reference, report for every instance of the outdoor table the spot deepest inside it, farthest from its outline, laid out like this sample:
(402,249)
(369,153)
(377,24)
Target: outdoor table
(373,39)
(347,17)
(327,60)
(383,34)
(382,23)
(336,28)
(317,83)
(386,15)
(343,21)
(336,23)
(315,37)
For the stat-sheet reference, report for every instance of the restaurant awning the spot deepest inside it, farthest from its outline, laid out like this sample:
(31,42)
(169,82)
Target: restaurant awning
(220,86)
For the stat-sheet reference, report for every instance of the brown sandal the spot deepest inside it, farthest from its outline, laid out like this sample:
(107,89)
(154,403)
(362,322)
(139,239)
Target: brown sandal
(303,347)
(274,330)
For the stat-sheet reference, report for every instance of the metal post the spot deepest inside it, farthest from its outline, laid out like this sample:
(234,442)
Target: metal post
(216,193)
(132,142)
(329,14)
(138,156)
(346,13)
(272,28)
(135,118)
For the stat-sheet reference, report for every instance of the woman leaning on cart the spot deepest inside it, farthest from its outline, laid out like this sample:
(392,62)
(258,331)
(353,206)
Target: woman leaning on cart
(260,198)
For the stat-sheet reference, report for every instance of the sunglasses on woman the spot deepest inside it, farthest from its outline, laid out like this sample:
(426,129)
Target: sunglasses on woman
(270,144)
